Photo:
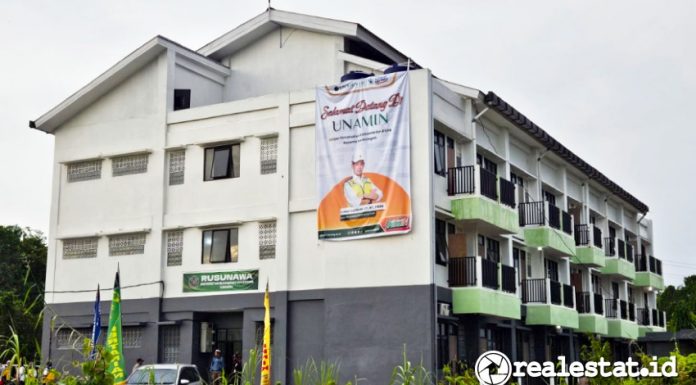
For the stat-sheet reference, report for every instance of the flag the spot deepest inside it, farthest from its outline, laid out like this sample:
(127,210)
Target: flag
(96,326)
(266,352)
(114,339)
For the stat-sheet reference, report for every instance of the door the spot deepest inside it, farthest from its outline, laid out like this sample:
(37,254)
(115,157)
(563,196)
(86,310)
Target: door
(456,242)
(551,269)
(576,280)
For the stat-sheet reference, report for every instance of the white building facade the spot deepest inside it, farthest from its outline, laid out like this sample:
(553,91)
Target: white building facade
(177,163)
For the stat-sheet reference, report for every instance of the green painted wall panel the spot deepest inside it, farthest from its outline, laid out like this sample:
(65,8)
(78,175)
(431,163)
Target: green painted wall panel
(552,315)
(646,278)
(592,323)
(619,328)
(484,209)
(545,236)
(477,300)
(589,255)
(619,266)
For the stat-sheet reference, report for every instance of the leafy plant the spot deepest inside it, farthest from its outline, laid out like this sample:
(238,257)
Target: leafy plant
(408,374)
(250,368)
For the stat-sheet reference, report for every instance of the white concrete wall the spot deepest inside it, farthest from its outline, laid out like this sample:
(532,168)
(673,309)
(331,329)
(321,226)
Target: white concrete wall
(204,90)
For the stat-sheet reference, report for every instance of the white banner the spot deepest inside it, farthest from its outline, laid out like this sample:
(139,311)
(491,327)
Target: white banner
(363,157)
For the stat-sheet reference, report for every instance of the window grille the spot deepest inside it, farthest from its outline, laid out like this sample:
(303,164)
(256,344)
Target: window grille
(269,155)
(267,240)
(132,337)
(80,248)
(129,164)
(67,338)
(169,345)
(175,246)
(177,160)
(127,244)
(89,169)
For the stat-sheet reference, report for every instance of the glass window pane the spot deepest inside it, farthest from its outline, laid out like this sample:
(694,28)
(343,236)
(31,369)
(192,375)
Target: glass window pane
(219,247)
(234,245)
(235,160)
(221,162)
(208,163)
(207,245)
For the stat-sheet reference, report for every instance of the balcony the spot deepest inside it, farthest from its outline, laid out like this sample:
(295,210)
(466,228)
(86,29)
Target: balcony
(615,263)
(482,286)
(586,250)
(480,197)
(619,314)
(549,303)
(650,320)
(649,272)
(547,226)
(591,313)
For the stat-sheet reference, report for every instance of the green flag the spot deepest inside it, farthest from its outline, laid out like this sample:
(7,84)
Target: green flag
(114,339)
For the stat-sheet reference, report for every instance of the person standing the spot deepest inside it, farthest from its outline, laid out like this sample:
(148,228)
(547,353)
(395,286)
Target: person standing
(237,369)
(217,365)
(138,363)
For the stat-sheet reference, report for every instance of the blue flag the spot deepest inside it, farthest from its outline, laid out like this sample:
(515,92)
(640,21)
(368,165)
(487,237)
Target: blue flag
(96,325)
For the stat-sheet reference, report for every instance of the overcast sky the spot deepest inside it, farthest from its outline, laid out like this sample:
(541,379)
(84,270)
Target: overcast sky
(614,81)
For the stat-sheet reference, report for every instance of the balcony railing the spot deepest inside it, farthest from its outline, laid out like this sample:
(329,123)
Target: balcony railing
(641,262)
(489,274)
(567,222)
(507,274)
(532,213)
(661,320)
(555,288)
(631,311)
(507,192)
(488,185)
(462,271)
(629,252)
(554,217)
(534,290)
(597,236)
(584,302)
(611,308)
(623,305)
(582,235)
(621,245)
(643,316)
(610,247)
(460,180)
(654,319)
(655,265)
(568,296)
(598,304)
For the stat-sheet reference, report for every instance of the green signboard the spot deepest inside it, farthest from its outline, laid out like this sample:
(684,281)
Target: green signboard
(221,281)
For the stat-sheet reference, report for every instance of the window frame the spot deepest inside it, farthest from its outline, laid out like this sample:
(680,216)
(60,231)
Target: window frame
(233,169)
(441,230)
(229,258)
(440,153)
(183,94)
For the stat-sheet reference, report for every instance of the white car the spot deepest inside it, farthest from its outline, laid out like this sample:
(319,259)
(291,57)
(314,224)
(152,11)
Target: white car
(165,374)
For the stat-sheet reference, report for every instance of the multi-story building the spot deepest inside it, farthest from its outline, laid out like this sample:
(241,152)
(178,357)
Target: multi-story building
(177,163)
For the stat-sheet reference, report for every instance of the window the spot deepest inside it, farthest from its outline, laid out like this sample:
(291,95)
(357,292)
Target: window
(220,246)
(129,164)
(488,248)
(267,240)
(596,284)
(68,338)
(516,179)
(222,162)
(450,152)
(549,197)
(175,247)
(177,163)
(86,170)
(132,337)
(182,99)
(487,164)
(440,242)
(80,248)
(126,244)
(551,269)
(259,332)
(269,155)
(169,345)
(440,166)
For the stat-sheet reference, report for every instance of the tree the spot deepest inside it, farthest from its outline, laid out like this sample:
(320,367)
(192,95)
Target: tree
(23,256)
(680,305)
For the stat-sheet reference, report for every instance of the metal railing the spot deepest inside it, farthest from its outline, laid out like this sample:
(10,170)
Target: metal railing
(534,290)
(507,192)
(610,247)
(629,252)
(532,213)
(631,311)
(598,304)
(654,319)
(597,236)
(567,222)
(641,262)
(460,180)
(661,321)
(582,235)
(621,246)
(489,274)
(623,305)
(611,308)
(554,217)
(583,302)
(568,296)
(462,271)
(509,284)
(555,289)
(643,316)
(488,185)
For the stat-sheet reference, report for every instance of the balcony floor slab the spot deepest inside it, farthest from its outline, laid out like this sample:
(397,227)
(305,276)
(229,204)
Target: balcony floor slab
(621,328)
(592,323)
(477,208)
(620,267)
(647,279)
(643,330)
(552,315)
(589,256)
(479,300)
(554,241)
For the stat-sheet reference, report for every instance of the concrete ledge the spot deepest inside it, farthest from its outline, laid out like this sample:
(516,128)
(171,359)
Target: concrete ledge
(478,300)
(592,323)
(619,266)
(552,315)
(646,279)
(474,207)
(557,241)
(590,256)
(621,328)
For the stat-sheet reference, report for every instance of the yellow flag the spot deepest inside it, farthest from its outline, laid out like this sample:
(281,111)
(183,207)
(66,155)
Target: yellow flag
(266,353)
